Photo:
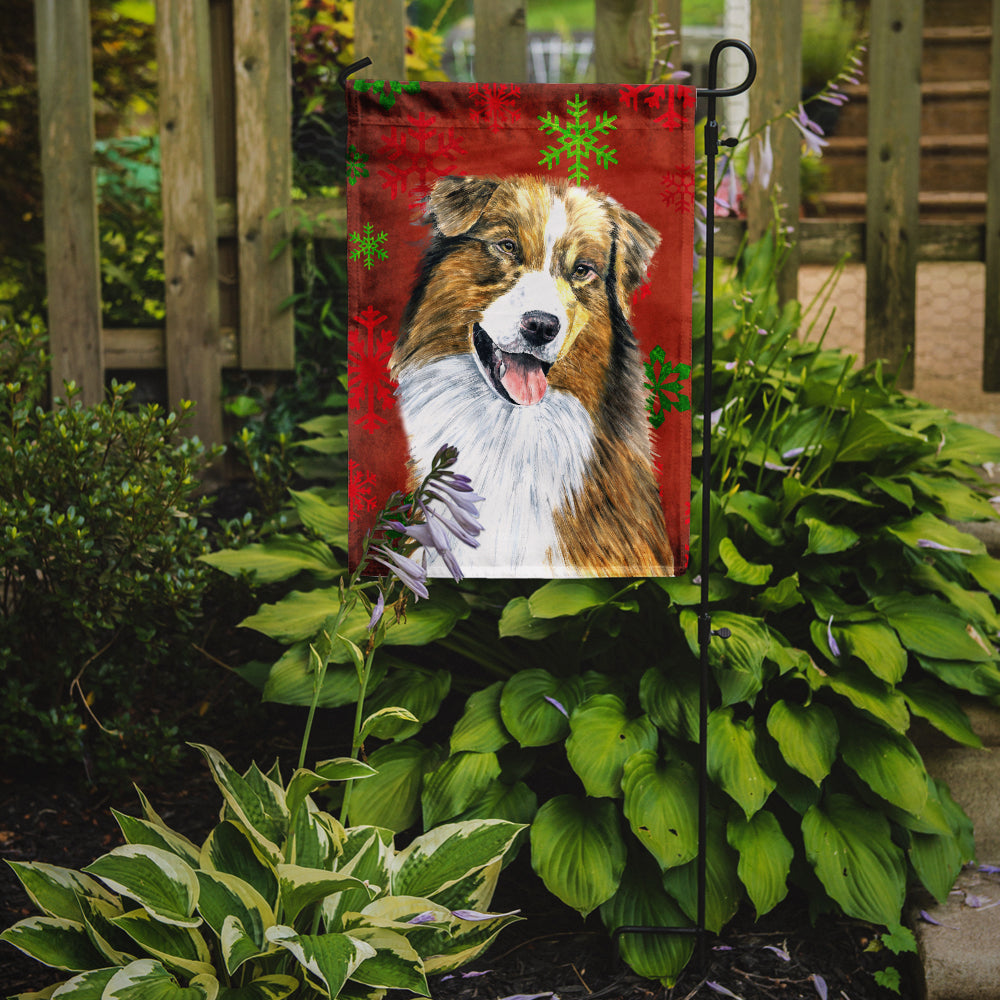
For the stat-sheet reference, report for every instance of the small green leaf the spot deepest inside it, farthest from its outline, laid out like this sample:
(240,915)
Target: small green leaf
(279,558)
(671,700)
(559,598)
(738,569)
(765,858)
(391,798)
(456,784)
(807,736)
(732,760)
(535,706)
(888,763)
(930,627)
(481,727)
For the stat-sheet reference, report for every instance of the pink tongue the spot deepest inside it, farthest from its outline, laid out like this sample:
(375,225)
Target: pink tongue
(524,379)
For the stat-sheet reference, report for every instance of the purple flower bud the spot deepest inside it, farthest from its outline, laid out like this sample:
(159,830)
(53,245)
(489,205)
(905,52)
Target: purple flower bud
(558,705)
(410,573)
(834,648)
(427,917)
(377,611)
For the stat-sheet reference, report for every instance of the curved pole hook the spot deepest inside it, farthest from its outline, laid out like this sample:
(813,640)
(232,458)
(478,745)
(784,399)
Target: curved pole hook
(353,68)
(713,90)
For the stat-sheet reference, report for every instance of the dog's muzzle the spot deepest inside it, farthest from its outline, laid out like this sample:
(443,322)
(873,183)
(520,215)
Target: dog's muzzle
(520,378)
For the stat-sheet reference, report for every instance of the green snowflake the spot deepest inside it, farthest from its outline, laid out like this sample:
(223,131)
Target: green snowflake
(386,91)
(664,386)
(356,161)
(578,139)
(368,246)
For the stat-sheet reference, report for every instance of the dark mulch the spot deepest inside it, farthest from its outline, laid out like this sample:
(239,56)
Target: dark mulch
(551,951)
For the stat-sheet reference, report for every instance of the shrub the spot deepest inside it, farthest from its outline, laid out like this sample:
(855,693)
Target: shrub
(99,539)
(280,899)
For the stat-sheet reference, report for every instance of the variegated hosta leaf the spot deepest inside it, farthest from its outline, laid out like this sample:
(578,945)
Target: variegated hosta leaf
(578,851)
(315,838)
(56,891)
(475,891)
(274,987)
(602,737)
(807,736)
(466,941)
(116,946)
(304,782)
(147,979)
(661,799)
(850,847)
(230,849)
(441,857)
(395,964)
(329,959)
(225,897)
(642,902)
(300,887)
(535,706)
(481,727)
(158,880)
(177,947)
(367,853)
(765,858)
(732,760)
(256,801)
(86,986)
(141,831)
(456,784)
(54,941)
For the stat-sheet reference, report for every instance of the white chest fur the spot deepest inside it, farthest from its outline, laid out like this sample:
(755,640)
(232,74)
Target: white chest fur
(527,461)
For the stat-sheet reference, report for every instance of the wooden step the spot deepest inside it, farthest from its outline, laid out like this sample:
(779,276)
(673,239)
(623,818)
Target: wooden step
(958,206)
(956,53)
(939,13)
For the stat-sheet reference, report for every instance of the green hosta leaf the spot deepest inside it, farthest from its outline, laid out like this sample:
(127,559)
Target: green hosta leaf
(558,598)
(304,782)
(481,728)
(517,620)
(765,858)
(387,723)
(602,738)
(976,678)
(870,436)
(893,488)
(888,763)
(965,443)
(417,690)
(864,691)
(177,947)
(941,709)
(783,595)
(928,528)
(827,539)
(850,848)
(758,511)
(279,558)
(391,798)
(330,959)
(395,964)
(230,849)
(937,859)
(641,901)
(738,661)
(671,700)
(732,760)
(931,628)
(986,571)
(438,859)
(225,897)
(661,798)
(807,736)
(56,891)
(301,887)
(260,805)
(159,881)
(54,941)
(456,784)
(141,831)
(147,979)
(275,987)
(327,520)
(975,605)
(876,646)
(578,851)
(738,569)
(957,501)
(292,680)
(528,710)
(516,803)
(723,889)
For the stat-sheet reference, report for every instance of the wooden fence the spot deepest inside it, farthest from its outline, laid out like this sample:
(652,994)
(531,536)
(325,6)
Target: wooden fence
(226,161)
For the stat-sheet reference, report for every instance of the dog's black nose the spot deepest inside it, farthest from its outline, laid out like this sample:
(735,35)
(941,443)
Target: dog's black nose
(539,327)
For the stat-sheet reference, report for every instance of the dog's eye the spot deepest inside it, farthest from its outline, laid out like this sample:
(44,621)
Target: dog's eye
(508,247)
(584,271)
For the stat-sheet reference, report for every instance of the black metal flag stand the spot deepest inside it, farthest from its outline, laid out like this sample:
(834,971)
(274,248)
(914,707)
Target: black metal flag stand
(705,631)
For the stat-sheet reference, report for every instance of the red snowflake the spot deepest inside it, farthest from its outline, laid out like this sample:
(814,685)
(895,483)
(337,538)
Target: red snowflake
(494,104)
(369,386)
(360,491)
(677,100)
(677,188)
(418,156)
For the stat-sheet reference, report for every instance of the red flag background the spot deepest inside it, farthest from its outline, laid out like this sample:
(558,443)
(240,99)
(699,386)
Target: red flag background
(633,143)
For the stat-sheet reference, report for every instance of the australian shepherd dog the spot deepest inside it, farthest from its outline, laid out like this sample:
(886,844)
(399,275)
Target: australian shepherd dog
(516,348)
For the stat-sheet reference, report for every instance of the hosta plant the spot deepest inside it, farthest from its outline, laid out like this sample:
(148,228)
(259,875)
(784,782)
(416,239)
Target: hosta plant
(279,900)
(855,605)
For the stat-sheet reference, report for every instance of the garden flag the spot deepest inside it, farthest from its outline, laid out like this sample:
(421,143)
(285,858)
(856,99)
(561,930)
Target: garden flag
(520,266)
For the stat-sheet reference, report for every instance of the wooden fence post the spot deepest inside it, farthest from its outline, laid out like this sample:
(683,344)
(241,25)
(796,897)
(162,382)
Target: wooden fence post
(621,40)
(501,41)
(380,34)
(776,35)
(262,61)
(72,255)
(991,333)
(190,252)
(892,214)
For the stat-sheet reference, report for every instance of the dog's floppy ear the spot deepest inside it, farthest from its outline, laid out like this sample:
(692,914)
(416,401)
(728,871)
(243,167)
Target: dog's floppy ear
(636,243)
(456,203)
